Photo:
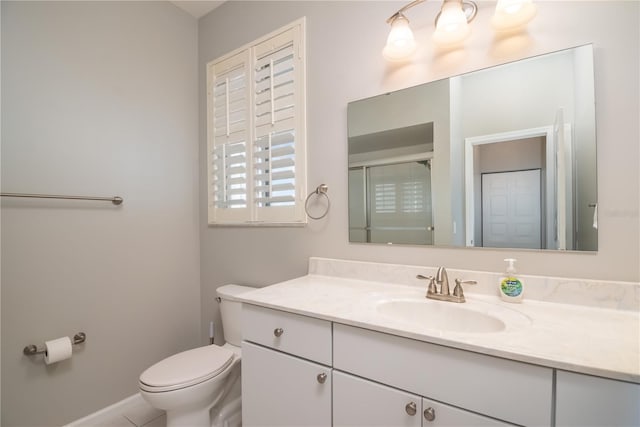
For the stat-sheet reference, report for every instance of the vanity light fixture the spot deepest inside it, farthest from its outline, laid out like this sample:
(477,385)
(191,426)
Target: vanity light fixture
(511,14)
(452,24)
(400,42)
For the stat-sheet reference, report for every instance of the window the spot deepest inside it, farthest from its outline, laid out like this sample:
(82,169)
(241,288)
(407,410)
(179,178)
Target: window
(256,131)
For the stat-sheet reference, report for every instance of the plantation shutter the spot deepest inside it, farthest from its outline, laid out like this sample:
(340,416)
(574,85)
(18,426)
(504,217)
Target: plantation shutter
(278,156)
(228,149)
(257,132)
(399,194)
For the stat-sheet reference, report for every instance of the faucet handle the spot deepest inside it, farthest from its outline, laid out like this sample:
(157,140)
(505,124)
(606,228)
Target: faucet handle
(432,288)
(457,291)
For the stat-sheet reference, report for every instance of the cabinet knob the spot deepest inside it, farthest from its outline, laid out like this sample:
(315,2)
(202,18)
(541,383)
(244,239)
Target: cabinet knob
(278,331)
(411,408)
(321,378)
(430,414)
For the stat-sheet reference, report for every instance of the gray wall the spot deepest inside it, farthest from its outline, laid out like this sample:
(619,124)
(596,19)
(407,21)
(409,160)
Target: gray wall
(536,87)
(344,63)
(99,98)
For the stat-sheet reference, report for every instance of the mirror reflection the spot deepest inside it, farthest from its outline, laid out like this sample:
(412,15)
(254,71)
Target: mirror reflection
(503,157)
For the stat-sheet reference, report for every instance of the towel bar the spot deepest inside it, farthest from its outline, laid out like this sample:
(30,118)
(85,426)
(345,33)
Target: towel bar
(115,200)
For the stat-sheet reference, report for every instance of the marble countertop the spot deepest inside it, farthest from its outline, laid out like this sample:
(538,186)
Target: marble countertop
(597,341)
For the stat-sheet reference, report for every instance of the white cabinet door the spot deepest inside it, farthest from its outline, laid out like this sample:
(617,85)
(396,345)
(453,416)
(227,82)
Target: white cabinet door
(436,414)
(583,400)
(358,402)
(282,390)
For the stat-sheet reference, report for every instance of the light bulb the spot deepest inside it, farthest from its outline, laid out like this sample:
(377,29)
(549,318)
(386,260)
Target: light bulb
(451,25)
(511,14)
(400,42)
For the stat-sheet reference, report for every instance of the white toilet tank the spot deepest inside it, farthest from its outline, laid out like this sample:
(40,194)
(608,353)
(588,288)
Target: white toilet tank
(230,310)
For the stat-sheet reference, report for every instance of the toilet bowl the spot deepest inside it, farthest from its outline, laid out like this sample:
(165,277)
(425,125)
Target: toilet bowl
(200,387)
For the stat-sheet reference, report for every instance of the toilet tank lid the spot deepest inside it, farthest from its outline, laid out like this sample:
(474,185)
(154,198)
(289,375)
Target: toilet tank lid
(229,292)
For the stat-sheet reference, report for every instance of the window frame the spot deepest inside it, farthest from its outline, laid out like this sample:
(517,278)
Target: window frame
(248,56)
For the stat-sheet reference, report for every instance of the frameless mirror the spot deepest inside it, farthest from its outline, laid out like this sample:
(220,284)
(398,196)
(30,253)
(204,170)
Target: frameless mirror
(503,157)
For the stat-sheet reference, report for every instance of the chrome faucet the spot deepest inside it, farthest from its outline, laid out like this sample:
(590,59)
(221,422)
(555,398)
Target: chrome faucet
(443,293)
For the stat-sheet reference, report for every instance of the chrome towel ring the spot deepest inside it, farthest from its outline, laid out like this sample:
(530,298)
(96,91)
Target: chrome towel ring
(321,190)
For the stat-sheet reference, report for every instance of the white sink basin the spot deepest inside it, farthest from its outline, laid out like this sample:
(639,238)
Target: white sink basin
(470,317)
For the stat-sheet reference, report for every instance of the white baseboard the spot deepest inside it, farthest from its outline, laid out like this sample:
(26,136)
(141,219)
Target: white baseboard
(110,412)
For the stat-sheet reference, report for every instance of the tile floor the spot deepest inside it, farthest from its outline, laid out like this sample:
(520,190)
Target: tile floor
(134,414)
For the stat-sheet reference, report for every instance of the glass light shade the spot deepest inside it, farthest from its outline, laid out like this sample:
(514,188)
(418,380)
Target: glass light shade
(511,14)
(400,42)
(451,26)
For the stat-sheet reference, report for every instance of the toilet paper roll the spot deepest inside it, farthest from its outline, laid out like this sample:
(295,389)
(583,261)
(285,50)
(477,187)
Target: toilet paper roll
(57,350)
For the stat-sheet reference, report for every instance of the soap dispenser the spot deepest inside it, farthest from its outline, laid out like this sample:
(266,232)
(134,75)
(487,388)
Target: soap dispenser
(510,286)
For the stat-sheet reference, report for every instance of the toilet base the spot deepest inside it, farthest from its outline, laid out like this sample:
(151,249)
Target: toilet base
(192,418)
(229,415)
(221,412)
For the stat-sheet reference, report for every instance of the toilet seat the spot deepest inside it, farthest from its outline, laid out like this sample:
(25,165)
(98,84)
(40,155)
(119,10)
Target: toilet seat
(186,369)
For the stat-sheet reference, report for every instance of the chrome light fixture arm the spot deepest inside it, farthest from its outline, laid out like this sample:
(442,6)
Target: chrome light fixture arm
(402,9)
(469,8)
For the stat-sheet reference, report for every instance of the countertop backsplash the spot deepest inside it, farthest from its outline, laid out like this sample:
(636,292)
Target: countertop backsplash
(592,293)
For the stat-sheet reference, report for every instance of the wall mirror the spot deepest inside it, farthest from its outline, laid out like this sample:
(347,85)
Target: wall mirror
(503,157)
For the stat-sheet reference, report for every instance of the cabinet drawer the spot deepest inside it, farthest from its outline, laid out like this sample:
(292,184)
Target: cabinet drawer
(512,391)
(291,333)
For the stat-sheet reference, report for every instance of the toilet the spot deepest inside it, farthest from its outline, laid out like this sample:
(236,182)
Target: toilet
(201,387)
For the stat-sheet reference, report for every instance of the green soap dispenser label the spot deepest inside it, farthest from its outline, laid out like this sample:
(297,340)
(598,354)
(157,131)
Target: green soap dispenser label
(511,286)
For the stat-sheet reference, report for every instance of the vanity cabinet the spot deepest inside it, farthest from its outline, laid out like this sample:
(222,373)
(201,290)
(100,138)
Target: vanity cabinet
(584,400)
(303,371)
(286,369)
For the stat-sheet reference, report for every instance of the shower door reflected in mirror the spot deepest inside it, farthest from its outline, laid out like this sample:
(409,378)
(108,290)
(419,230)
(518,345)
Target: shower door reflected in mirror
(391,203)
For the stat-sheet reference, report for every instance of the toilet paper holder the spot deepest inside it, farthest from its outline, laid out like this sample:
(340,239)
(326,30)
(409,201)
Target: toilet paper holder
(29,350)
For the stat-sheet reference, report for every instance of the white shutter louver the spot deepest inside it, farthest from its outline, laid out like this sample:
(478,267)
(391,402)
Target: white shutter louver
(274,166)
(274,86)
(256,127)
(229,135)
(230,175)
(385,197)
(274,146)
(413,194)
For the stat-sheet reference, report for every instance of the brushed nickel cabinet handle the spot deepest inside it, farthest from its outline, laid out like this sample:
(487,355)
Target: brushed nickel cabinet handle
(321,378)
(430,414)
(278,332)
(411,408)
